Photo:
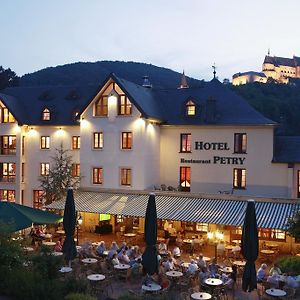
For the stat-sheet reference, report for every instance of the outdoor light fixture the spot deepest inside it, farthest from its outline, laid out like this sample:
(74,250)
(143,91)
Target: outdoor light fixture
(78,224)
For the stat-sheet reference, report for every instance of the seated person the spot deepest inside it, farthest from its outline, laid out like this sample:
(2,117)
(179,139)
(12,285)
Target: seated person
(115,260)
(203,274)
(293,282)
(136,267)
(262,273)
(162,247)
(201,262)
(176,251)
(193,268)
(169,265)
(58,246)
(213,268)
(111,253)
(221,248)
(123,246)
(114,246)
(228,281)
(123,257)
(275,270)
(101,248)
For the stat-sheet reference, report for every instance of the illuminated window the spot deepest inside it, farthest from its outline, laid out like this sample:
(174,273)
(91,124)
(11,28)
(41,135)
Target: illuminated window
(75,170)
(44,169)
(76,142)
(23,145)
(101,107)
(46,115)
(8,144)
(185,179)
(125,176)
(23,172)
(239,178)
(98,140)
(97,175)
(8,195)
(240,143)
(124,105)
(203,227)
(119,219)
(7,172)
(190,108)
(38,199)
(6,116)
(126,140)
(271,234)
(185,142)
(45,142)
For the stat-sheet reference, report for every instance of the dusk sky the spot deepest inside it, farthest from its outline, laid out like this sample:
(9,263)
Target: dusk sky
(189,35)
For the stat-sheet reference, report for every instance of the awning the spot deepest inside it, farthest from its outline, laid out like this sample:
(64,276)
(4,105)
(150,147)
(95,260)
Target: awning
(270,213)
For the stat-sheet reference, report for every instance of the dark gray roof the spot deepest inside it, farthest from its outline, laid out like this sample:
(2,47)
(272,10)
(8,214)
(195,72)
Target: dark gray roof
(167,105)
(287,149)
(280,61)
(249,73)
(27,103)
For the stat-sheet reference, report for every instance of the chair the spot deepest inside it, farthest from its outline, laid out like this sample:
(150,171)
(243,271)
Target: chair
(290,293)
(184,296)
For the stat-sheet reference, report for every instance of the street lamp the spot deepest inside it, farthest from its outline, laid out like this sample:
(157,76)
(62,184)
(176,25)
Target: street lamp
(78,224)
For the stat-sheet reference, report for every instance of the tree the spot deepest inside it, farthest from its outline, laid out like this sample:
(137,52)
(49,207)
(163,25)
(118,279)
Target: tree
(60,177)
(8,78)
(293,226)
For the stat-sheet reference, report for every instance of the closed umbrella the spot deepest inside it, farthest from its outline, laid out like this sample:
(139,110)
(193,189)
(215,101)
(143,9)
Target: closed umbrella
(19,217)
(69,248)
(250,247)
(149,258)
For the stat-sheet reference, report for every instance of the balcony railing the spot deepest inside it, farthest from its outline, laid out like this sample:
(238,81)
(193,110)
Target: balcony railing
(10,178)
(7,151)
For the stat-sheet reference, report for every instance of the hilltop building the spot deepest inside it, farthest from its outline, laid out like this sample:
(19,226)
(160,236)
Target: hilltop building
(281,69)
(128,139)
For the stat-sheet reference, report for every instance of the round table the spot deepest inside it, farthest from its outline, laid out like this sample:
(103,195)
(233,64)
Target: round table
(129,234)
(174,273)
(48,236)
(89,260)
(226,270)
(201,295)
(275,292)
(236,241)
(239,263)
(266,251)
(57,253)
(121,267)
(65,270)
(96,277)
(229,247)
(50,244)
(152,287)
(213,281)
(187,241)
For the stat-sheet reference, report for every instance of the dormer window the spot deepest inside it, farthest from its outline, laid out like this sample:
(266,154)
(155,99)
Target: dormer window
(124,105)
(46,115)
(190,108)
(101,107)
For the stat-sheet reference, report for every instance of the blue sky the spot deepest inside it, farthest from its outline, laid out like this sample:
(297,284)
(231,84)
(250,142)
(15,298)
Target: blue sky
(189,35)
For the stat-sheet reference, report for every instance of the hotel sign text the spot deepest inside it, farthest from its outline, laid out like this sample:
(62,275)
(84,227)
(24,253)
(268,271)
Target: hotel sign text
(221,160)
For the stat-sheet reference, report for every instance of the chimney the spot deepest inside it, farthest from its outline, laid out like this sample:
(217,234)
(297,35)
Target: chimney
(146,82)
(211,110)
(183,82)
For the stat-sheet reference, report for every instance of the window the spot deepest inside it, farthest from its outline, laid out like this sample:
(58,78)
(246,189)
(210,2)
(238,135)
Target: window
(23,145)
(38,198)
(190,108)
(7,172)
(240,143)
(298,184)
(75,170)
(45,142)
(98,140)
(97,175)
(44,169)
(124,105)
(23,172)
(203,227)
(126,140)
(185,179)
(101,107)
(8,144)
(76,142)
(119,219)
(46,115)
(271,234)
(6,116)
(185,142)
(8,195)
(239,178)
(125,176)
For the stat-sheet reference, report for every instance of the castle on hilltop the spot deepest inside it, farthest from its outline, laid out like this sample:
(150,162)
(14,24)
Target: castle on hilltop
(280,69)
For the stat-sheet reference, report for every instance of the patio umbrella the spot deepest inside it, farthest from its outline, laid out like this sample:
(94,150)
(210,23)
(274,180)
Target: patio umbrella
(69,248)
(20,216)
(250,247)
(149,258)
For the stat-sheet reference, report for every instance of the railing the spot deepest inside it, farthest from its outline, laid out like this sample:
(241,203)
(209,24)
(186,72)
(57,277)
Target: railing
(10,178)
(7,151)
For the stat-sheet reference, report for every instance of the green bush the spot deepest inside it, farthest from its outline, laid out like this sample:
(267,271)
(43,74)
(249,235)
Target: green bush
(78,296)
(290,265)
(73,285)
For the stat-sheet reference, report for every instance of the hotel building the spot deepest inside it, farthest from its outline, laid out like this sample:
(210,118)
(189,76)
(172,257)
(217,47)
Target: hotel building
(205,148)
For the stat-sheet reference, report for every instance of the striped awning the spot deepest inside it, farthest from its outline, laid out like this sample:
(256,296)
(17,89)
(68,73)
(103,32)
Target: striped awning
(270,214)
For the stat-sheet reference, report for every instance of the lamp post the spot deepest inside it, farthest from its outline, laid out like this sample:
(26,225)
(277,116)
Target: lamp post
(78,224)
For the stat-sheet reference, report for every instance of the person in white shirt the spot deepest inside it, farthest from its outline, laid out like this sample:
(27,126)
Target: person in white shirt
(123,258)
(169,265)
(176,251)
(162,247)
(193,268)
(115,260)
(201,262)
(262,273)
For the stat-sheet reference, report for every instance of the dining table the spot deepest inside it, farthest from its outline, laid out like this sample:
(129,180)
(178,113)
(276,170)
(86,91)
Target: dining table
(276,293)
(201,295)
(96,277)
(151,287)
